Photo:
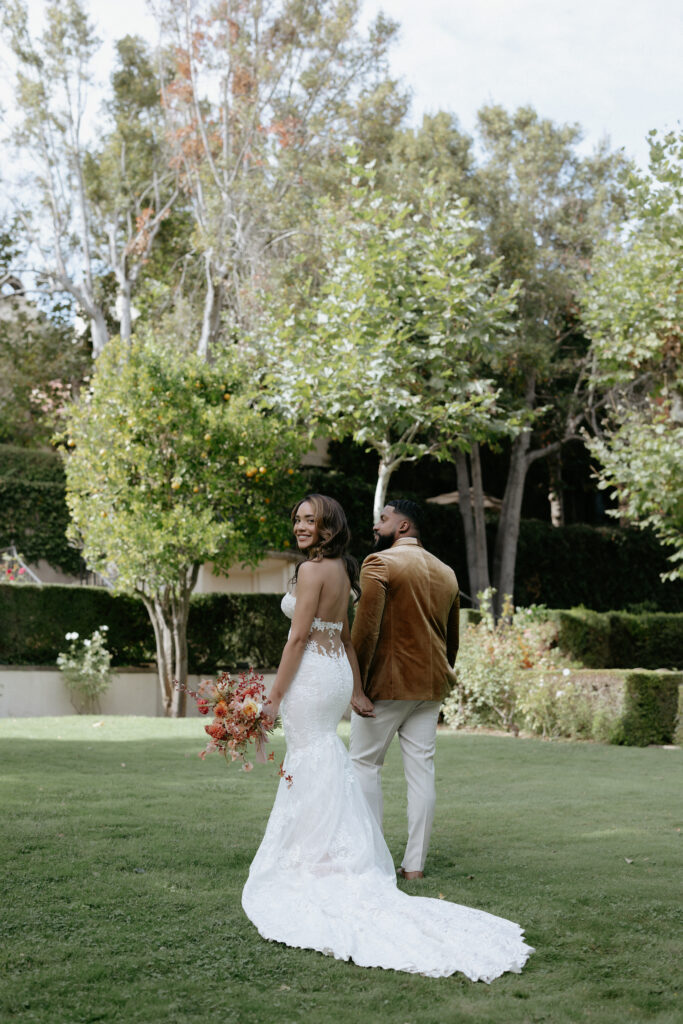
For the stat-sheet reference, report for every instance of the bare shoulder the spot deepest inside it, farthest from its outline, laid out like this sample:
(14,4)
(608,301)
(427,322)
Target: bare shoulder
(311,571)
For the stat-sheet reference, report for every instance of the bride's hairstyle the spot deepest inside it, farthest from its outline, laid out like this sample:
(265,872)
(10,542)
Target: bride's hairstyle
(335,536)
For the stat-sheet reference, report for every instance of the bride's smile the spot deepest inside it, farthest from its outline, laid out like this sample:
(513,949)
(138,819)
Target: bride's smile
(305,528)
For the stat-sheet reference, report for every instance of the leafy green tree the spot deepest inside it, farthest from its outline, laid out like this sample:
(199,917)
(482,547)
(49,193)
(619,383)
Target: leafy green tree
(169,464)
(633,311)
(393,348)
(540,209)
(543,208)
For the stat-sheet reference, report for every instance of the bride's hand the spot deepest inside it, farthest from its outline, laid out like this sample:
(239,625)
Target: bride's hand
(363,706)
(271,708)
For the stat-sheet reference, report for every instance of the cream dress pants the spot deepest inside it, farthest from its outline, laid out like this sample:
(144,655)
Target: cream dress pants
(415,721)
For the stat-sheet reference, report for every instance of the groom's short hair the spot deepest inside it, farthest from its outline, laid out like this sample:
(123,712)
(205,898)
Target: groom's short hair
(411,510)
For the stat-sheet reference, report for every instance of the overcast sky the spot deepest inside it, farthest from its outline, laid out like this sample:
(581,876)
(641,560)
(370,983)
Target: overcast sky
(615,66)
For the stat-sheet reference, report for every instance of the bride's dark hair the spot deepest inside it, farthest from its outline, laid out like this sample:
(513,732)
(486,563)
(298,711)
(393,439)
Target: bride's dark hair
(334,536)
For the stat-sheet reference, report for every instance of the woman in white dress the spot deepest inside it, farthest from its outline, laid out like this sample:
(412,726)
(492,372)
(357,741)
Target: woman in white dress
(323,877)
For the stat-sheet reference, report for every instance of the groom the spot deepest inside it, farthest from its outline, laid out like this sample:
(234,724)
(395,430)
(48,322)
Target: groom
(405,634)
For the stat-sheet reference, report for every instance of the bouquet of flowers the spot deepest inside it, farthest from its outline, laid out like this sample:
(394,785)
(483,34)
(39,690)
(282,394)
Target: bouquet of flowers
(239,718)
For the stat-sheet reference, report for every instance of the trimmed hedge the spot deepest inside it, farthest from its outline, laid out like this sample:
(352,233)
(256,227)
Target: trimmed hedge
(224,630)
(651,640)
(35,619)
(33,510)
(235,631)
(601,567)
(650,708)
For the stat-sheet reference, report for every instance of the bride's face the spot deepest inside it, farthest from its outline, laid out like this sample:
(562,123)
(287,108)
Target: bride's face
(305,529)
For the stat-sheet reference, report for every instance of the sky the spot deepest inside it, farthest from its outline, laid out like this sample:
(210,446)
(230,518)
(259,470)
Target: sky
(613,66)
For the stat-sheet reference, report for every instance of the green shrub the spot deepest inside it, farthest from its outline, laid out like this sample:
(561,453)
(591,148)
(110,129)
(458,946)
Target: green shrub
(224,630)
(584,636)
(651,640)
(33,511)
(35,621)
(650,708)
(494,669)
(601,567)
(86,669)
(572,703)
(235,630)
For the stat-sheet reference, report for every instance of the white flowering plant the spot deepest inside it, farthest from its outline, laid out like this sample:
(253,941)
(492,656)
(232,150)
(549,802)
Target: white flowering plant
(86,668)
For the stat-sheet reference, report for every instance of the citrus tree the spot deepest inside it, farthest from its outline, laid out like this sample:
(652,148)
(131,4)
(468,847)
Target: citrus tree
(170,463)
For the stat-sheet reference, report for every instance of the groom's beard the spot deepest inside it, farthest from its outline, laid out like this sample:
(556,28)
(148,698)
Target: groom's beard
(383,542)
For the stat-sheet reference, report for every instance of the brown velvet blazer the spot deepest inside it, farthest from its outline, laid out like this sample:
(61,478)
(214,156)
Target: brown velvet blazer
(405,631)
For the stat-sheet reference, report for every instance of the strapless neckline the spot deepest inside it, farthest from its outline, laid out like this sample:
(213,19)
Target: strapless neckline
(288,604)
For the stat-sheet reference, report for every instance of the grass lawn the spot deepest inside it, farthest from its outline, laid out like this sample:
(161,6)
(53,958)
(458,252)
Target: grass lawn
(124,856)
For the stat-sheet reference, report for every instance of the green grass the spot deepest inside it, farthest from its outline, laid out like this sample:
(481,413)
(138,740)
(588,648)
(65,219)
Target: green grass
(124,855)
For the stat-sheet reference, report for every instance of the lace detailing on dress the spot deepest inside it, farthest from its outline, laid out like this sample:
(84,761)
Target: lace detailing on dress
(324,637)
(323,877)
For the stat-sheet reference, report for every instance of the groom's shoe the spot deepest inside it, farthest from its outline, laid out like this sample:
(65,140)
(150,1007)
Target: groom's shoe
(410,875)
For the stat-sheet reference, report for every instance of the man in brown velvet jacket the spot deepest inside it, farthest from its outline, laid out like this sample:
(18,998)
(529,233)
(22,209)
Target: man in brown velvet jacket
(405,634)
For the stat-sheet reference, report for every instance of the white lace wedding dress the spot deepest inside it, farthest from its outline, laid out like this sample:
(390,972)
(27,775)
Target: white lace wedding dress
(323,877)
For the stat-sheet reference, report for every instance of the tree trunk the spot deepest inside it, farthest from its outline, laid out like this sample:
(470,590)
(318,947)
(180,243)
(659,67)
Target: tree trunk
(213,305)
(507,536)
(481,549)
(168,610)
(124,308)
(471,504)
(98,333)
(465,506)
(555,491)
(384,471)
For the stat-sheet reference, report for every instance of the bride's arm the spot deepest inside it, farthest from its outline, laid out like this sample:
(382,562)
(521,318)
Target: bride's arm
(360,703)
(308,586)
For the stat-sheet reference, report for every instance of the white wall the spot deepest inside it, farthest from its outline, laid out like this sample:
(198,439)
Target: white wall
(30,692)
(270,576)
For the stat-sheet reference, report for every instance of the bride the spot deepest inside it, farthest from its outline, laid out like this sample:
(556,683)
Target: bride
(323,877)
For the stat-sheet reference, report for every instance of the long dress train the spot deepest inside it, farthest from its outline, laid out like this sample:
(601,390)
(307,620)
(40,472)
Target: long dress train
(323,877)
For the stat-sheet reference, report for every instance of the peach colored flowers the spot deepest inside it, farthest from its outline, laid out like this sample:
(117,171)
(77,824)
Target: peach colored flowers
(239,718)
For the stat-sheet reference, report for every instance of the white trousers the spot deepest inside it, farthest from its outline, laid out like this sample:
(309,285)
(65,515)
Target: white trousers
(415,721)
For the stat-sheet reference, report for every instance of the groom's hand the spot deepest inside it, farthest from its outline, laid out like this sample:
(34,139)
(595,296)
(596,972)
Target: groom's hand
(363,706)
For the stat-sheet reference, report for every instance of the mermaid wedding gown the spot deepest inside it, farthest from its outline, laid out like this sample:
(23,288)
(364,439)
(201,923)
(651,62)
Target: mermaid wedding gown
(323,877)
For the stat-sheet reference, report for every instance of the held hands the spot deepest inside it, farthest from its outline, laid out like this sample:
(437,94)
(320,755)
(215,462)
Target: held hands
(363,706)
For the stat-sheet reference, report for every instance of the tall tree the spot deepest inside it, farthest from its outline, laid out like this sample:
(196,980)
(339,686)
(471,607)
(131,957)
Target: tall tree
(540,209)
(543,208)
(87,211)
(261,99)
(632,308)
(393,347)
(170,463)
